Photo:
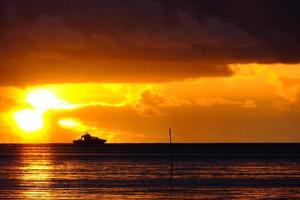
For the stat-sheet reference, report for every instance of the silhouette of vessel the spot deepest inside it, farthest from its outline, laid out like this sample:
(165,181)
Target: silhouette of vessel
(87,139)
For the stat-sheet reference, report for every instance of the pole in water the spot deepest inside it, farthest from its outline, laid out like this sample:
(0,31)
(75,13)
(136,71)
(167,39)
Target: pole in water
(171,153)
(171,165)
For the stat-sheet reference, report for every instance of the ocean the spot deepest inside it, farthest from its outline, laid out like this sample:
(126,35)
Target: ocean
(143,171)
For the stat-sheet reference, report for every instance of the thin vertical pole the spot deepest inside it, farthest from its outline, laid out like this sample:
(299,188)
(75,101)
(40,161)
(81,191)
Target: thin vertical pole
(171,153)
(171,165)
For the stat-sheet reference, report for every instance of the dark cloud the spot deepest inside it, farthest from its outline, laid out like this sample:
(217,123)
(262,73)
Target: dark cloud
(274,24)
(141,40)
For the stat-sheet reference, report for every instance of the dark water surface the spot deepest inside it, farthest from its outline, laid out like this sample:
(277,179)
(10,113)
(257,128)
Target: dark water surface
(141,171)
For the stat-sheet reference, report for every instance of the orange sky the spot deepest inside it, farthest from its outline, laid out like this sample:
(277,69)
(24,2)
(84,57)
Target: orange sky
(259,103)
(128,70)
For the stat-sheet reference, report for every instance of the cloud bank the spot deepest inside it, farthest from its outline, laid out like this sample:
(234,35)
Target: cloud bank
(55,41)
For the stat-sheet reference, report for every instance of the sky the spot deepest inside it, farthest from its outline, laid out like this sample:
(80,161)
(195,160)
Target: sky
(127,70)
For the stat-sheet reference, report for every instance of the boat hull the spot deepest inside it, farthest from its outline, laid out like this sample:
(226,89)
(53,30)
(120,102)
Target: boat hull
(80,142)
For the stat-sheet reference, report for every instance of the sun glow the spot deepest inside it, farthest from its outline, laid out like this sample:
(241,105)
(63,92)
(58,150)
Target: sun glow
(31,119)
(42,99)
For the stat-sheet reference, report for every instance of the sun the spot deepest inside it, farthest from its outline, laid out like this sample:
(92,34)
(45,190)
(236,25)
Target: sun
(32,119)
(29,120)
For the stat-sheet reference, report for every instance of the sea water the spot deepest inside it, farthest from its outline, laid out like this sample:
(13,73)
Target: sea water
(143,171)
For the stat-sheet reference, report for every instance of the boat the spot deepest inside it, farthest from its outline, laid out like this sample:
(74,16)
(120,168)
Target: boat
(87,139)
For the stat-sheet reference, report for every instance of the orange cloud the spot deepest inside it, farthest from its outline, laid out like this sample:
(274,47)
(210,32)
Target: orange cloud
(237,108)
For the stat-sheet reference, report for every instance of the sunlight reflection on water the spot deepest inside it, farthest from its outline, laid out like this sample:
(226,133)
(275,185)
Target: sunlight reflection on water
(137,172)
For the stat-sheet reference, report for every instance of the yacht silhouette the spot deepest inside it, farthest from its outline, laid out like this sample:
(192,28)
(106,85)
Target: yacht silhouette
(87,139)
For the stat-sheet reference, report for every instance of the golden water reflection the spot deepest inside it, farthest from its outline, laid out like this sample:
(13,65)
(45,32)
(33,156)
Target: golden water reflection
(62,171)
(36,175)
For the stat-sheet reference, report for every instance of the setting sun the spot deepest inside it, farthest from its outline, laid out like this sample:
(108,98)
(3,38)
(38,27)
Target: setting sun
(32,119)
(29,120)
